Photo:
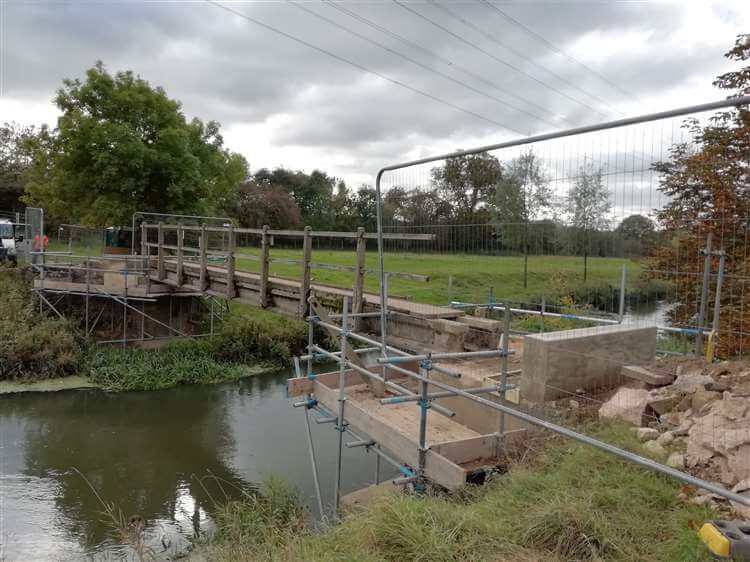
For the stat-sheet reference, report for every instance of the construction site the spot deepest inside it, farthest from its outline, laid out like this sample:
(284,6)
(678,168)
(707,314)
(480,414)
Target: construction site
(440,392)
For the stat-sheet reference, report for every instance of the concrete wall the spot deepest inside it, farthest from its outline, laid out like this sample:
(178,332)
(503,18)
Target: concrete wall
(588,358)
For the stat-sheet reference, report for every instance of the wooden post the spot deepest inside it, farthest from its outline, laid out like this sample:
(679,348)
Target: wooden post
(305,281)
(179,255)
(161,272)
(264,251)
(359,280)
(203,280)
(144,240)
(230,263)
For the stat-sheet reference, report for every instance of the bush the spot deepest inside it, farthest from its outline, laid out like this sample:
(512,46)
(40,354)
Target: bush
(32,347)
(252,334)
(182,362)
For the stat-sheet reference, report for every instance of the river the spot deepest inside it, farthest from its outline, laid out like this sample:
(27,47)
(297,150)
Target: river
(159,455)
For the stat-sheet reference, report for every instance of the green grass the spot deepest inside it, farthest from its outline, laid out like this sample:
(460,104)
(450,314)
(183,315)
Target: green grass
(472,275)
(570,503)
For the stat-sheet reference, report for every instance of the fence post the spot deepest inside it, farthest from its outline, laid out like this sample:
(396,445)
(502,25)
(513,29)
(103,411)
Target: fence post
(160,271)
(230,263)
(704,295)
(621,314)
(144,246)
(359,281)
(202,280)
(305,281)
(179,255)
(264,250)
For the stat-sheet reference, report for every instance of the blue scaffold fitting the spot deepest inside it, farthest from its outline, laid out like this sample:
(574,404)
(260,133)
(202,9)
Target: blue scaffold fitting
(426,364)
(419,486)
(311,403)
(424,404)
(341,428)
(406,471)
(312,376)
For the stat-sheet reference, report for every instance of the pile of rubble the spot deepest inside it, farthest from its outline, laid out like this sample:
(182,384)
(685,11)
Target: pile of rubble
(696,416)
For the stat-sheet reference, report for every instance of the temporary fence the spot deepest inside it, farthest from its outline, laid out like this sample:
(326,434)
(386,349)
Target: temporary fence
(587,228)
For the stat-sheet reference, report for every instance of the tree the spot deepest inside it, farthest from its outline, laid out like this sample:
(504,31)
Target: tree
(588,202)
(263,203)
(637,234)
(707,181)
(467,182)
(122,146)
(522,194)
(14,161)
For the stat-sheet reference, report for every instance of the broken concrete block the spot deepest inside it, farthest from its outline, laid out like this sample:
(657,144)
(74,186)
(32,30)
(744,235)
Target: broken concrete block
(676,460)
(646,434)
(645,375)
(662,401)
(702,397)
(627,404)
(690,382)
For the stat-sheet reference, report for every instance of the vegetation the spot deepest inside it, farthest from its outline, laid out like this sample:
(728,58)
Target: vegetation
(708,193)
(122,146)
(183,362)
(570,503)
(32,346)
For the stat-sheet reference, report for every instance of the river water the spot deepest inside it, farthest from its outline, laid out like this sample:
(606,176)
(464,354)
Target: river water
(164,456)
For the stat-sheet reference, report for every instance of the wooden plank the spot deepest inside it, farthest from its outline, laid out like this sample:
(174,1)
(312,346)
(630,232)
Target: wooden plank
(230,264)
(264,251)
(437,468)
(358,300)
(305,281)
(299,386)
(316,234)
(161,273)
(203,278)
(180,257)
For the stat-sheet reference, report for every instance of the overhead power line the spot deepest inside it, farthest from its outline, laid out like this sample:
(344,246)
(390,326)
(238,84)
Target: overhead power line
(492,56)
(529,31)
(426,67)
(520,55)
(359,66)
(426,51)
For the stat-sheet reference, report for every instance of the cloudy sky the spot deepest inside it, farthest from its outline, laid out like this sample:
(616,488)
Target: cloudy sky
(376,82)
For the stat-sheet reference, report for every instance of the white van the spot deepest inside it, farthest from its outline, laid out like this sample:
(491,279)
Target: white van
(8,238)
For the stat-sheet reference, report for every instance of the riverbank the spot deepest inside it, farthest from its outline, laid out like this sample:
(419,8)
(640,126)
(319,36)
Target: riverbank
(563,502)
(39,353)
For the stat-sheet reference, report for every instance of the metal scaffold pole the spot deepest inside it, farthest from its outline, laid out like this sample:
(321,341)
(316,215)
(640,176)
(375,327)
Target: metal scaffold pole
(340,423)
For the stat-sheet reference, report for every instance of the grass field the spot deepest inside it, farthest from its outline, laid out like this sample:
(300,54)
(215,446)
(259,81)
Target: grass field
(473,275)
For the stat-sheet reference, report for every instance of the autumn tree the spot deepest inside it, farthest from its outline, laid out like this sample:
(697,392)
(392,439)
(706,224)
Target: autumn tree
(122,146)
(261,203)
(707,181)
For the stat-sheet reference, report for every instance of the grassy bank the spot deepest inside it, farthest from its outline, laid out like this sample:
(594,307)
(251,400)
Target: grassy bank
(571,502)
(32,346)
(35,347)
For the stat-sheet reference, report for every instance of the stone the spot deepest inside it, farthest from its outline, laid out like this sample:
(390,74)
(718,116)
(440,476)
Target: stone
(662,400)
(702,397)
(676,460)
(627,404)
(648,376)
(665,438)
(574,404)
(742,488)
(715,386)
(646,434)
(690,382)
(655,449)
(723,434)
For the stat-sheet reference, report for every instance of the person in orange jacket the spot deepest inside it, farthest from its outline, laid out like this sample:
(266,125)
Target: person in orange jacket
(39,245)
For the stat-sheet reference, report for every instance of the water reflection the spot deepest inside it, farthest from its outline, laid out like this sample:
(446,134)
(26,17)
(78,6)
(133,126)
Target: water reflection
(151,454)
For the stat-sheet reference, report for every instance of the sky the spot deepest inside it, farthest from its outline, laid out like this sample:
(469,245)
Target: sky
(372,83)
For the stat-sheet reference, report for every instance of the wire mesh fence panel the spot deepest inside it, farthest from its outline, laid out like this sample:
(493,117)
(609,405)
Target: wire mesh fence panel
(34,233)
(608,248)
